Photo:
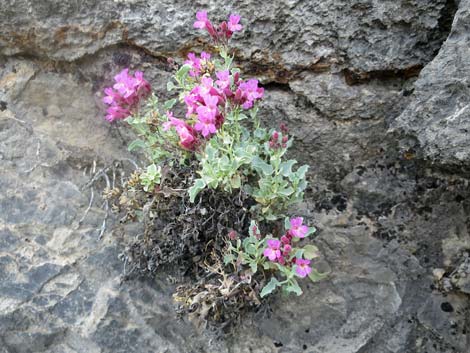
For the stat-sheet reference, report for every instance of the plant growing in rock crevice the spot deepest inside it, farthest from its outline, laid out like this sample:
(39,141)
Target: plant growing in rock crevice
(217,185)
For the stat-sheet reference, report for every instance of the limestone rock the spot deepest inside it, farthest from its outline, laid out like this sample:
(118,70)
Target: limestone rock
(438,118)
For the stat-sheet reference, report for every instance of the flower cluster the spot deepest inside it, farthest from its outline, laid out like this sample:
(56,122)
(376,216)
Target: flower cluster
(279,140)
(123,98)
(279,250)
(196,63)
(221,33)
(207,101)
(187,135)
(212,96)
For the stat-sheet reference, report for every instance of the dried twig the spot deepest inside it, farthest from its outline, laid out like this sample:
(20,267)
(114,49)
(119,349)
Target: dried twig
(88,208)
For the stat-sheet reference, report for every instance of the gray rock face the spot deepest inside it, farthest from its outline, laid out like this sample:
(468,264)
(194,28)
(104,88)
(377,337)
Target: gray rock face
(289,34)
(439,116)
(339,73)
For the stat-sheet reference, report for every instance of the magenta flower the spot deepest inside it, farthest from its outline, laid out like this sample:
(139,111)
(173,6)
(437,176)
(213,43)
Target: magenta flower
(302,269)
(186,133)
(123,98)
(187,137)
(116,112)
(233,23)
(112,97)
(125,84)
(221,33)
(273,252)
(206,88)
(202,20)
(297,229)
(141,85)
(223,79)
(206,115)
(205,56)
(192,104)
(195,64)
(204,23)
(248,92)
(172,121)
(205,124)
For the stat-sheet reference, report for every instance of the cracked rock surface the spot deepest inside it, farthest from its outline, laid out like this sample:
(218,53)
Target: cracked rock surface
(381,135)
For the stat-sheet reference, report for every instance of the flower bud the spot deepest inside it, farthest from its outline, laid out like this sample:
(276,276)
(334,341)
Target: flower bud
(283,128)
(232,235)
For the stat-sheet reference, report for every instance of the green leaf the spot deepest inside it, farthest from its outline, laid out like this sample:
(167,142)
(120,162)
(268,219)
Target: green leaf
(228,258)
(286,167)
(253,267)
(136,144)
(152,169)
(270,287)
(182,72)
(169,104)
(170,86)
(311,230)
(199,185)
(250,249)
(316,276)
(260,133)
(294,287)
(311,252)
(286,192)
(224,164)
(235,182)
(299,253)
(302,171)
(262,166)
(286,223)
(270,217)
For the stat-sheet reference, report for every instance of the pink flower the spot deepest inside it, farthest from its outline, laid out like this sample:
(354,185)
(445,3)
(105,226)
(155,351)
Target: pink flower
(141,85)
(302,269)
(112,97)
(297,229)
(172,121)
(123,98)
(201,20)
(204,23)
(195,63)
(116,112)
(248,92)
(233,23)
(191,103)
(206,87)
(206,115)
(205,56)
(125,83)
(205,124)
(187,137)
(223,79)
(273,252)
